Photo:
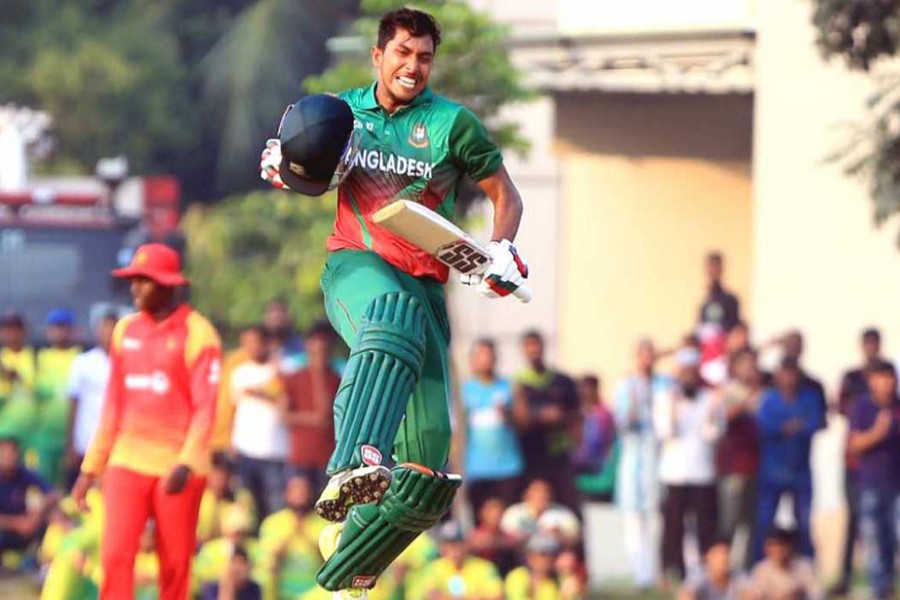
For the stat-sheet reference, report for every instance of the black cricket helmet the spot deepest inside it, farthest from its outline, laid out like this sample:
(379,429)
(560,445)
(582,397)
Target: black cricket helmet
(317,144)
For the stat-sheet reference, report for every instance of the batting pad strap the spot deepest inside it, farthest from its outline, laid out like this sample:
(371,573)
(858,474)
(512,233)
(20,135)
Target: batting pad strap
(374,536)
(378,381)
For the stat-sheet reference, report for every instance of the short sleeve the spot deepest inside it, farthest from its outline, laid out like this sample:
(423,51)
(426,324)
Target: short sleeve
(73,387)
(470,147)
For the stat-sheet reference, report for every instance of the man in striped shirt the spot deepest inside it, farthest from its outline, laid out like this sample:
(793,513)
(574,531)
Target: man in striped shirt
(152,443)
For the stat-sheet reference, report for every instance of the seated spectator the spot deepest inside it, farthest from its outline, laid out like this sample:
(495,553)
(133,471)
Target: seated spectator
(789,416)
(489,541)
(25,500)
(571,574)
(212,562)
(220,493)
(875,440)
(456,574)
(782,574)
(289,542)
(536,580)
(716,581)
(537,513)
(235,583)
(598,428)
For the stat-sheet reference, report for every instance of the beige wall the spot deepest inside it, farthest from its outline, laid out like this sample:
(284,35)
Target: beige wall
(649,185)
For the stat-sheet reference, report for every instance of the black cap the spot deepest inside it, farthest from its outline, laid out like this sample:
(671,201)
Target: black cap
(314,132)
(12,318)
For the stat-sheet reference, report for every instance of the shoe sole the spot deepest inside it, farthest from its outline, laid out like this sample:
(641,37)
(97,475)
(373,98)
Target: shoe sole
(367,487)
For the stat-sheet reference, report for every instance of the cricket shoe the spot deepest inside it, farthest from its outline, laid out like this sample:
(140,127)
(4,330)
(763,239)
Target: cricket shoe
(364,485)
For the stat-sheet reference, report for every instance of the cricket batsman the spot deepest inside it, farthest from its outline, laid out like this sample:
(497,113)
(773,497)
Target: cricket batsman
(385,296)
(152,442)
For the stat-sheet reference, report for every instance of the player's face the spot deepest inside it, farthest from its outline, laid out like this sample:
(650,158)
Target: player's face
(404,66)
(149,295)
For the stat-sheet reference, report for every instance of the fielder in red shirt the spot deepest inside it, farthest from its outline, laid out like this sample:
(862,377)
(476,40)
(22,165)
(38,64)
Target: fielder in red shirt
(152,443)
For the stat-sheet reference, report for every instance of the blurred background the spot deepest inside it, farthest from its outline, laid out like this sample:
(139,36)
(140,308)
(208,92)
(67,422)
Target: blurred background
(711,175)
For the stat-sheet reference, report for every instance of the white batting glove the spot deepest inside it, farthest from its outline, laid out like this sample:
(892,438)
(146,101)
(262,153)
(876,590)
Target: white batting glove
(507,272)
(270,164)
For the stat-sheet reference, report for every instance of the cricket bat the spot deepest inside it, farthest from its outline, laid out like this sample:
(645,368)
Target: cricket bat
(440,238)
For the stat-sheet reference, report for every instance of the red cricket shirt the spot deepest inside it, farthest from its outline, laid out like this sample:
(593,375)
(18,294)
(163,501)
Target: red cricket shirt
(160,401)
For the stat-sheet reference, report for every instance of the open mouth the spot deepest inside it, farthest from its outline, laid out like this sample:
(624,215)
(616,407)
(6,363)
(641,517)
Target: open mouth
(408,83)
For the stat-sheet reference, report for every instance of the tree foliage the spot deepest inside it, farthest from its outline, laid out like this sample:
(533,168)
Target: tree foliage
(864,33)
(252,248)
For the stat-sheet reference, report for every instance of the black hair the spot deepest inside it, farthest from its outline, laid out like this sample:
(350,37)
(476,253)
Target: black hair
(532,334)
(781,535)
(714,256)
(240,552)
(416,22)
(12,441)
(259,330)
(485,341)
(882,367)
(321,328)
(872,334)
(591,380)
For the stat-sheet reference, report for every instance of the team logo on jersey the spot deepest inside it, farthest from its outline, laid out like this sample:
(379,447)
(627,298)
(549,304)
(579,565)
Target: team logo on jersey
(419,136)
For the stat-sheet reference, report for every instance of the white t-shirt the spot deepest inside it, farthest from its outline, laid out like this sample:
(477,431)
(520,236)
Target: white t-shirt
(687,441)
(87,385)
(258,431)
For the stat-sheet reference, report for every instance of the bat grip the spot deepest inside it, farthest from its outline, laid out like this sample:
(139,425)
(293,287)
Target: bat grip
(523,293)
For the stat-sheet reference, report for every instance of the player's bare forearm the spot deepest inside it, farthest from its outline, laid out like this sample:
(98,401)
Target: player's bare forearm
(507,204)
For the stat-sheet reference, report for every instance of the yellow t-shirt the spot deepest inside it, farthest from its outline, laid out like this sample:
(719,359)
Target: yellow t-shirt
(477,578)
(220,440)
(209,519)
(22,362)
(518,587)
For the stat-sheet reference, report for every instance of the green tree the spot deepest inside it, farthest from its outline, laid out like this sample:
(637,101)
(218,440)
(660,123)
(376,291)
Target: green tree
(249,249)
(864,33)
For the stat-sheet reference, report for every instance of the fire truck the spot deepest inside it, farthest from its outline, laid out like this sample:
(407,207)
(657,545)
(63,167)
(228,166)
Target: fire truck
(60,238)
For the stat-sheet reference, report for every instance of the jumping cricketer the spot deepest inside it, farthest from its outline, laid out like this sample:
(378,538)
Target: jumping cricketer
(385,296)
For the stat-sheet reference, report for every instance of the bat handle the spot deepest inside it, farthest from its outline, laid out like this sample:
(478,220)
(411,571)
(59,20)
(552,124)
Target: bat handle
(523,293)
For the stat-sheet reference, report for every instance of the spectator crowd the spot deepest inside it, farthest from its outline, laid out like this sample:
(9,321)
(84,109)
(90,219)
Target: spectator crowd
(699,435)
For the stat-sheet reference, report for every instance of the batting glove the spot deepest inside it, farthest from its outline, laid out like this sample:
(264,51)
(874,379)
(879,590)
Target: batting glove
(507,272)
(270,164)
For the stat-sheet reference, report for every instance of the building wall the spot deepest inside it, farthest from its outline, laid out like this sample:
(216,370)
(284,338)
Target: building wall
(649,185)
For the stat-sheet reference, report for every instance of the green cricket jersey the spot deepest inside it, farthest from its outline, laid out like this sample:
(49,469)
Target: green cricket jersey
(419,153)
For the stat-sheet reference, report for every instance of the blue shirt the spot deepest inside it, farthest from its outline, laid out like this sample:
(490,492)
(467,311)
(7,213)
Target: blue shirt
(880,464)
(785,458)
(14,491)
(492,449)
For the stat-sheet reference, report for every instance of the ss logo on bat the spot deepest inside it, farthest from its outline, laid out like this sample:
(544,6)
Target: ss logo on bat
(461,256)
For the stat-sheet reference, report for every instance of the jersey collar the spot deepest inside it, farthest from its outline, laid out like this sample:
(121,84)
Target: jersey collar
(370,101)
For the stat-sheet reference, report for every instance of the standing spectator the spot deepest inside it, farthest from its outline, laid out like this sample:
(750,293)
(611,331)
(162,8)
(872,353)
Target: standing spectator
(716,581)
(783,574)
(720,308)
(875,439)
(546,410)
(308,410)
(737,456)
(793,348)
(854,384)
(235,584)
(25,500)
(16,356)
(789,415)
(536,579)
(279,325)
(457,573)
(54,364)
(493,460)
(152,441)
(598,428)
(260,437)
(87,384)
(537,513)
(636,480)
(225,405)
(688,422)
